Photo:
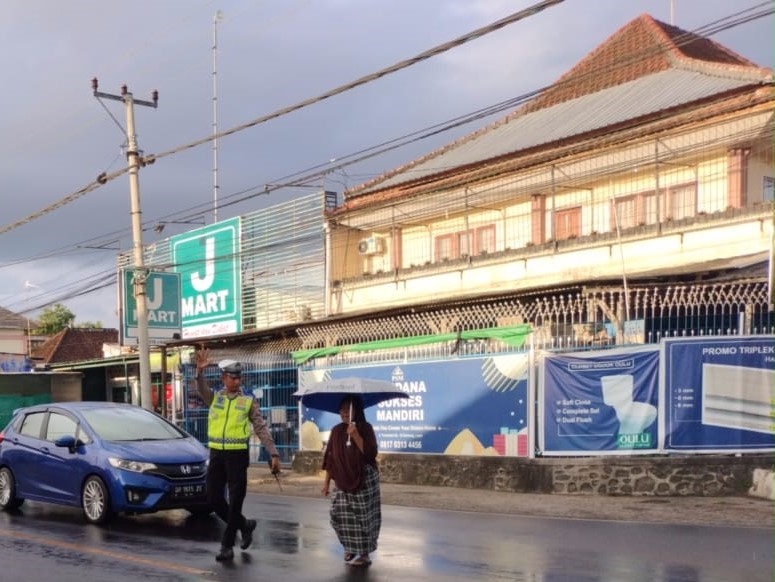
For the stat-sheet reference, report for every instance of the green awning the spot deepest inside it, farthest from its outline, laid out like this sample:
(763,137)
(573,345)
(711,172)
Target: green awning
(514,336)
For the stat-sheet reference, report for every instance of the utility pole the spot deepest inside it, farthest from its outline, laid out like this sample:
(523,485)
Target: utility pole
(141,274)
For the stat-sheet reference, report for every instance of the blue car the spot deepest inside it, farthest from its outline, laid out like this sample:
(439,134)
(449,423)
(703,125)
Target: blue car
(104,457)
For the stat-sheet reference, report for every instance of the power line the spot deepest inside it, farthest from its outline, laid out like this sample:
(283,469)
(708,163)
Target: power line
(302,177)
(107,177)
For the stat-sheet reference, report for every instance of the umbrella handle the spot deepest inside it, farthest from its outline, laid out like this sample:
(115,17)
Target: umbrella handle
(351,422)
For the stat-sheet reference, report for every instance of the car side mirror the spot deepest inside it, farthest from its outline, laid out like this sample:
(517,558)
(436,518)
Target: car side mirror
(67,441)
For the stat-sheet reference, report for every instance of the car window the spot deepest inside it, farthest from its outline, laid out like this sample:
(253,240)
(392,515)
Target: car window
(32,423)
(130,423)
(82,436)
(60,425)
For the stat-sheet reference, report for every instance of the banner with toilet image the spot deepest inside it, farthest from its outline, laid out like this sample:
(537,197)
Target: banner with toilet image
(719,394)
(602,402)
(469,406)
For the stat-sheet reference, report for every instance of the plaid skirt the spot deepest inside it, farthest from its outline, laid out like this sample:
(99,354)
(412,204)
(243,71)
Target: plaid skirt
(357,517)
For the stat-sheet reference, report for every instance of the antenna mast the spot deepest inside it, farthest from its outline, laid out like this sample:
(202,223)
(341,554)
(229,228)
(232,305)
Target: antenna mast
(216,19)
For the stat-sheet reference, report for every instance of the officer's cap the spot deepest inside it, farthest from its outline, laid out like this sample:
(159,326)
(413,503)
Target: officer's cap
(230,367)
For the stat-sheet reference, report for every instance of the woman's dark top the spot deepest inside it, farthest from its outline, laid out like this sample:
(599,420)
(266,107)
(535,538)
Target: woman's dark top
(346,463)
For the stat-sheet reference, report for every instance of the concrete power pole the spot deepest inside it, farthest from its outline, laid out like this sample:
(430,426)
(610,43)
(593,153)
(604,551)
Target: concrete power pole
(141,274)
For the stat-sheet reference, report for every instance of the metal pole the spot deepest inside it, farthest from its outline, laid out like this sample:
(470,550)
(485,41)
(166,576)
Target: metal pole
(163,392)
(620,326)
(140,275)
(216,19)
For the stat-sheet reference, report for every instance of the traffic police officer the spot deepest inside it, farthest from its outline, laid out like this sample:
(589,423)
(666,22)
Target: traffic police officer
(232,415)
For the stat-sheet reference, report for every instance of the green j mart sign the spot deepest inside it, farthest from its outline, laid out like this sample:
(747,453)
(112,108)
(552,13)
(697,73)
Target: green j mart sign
(208,261)
(162,298)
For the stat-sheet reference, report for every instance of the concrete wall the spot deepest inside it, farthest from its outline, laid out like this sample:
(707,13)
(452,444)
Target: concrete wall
(13,340)
(700,475)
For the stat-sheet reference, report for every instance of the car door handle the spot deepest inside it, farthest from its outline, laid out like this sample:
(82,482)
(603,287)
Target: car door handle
(44,450)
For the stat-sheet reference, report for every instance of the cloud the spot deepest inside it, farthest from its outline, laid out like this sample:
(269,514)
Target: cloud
(57,137)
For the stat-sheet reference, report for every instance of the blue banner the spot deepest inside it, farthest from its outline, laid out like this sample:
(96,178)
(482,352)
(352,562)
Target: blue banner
(718,394)
(594,402)
(473,406)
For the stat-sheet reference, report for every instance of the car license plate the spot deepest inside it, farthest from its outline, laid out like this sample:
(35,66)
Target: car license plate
(188,490)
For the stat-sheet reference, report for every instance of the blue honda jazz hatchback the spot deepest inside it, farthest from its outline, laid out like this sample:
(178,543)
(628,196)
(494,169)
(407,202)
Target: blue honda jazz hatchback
(104,457)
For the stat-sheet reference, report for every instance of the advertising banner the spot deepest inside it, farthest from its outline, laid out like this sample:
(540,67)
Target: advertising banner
(719,394)
(599,402)
(472,406)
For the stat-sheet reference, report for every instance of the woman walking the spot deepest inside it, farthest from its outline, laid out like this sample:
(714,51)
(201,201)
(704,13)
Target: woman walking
(350,460)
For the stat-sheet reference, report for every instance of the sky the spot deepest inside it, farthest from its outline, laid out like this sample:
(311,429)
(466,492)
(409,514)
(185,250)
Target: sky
(252,58)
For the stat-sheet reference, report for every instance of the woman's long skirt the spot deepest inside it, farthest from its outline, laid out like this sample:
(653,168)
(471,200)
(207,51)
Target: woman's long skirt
(357,517)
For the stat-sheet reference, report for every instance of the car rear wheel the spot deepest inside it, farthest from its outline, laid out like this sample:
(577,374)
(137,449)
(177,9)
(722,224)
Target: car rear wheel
(8,499)
(95,501)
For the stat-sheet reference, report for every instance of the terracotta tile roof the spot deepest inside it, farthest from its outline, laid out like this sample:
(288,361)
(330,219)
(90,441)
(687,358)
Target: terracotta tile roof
(75,345)
(641,47)
(640,51)
(10,319)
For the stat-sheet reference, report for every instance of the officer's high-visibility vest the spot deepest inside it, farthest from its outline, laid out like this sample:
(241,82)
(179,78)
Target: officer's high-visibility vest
(228,425)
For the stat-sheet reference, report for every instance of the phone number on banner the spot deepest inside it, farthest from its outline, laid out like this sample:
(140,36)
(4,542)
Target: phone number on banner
(399,444)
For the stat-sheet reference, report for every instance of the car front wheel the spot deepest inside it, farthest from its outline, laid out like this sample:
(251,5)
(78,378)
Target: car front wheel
(95,501)
(8,499)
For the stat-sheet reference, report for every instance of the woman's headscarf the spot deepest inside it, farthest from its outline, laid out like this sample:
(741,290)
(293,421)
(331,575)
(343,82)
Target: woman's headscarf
(357,407)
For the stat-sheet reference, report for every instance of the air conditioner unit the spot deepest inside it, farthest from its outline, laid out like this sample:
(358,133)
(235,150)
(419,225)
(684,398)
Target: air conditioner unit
(374,245)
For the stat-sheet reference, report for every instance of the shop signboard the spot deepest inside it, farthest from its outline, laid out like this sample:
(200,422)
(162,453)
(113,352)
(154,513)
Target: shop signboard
(718,394)
(467,406)
(208,261)
(601,402)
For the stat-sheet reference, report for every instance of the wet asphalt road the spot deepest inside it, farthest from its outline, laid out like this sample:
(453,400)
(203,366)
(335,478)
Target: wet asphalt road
(293,542)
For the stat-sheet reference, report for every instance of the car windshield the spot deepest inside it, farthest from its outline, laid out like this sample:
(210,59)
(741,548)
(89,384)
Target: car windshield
(130,424)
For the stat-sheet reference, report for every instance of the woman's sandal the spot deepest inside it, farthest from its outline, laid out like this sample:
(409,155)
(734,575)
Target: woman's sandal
(348,556)
(361,561)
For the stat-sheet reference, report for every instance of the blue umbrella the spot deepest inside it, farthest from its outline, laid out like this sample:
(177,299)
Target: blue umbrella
(327,395)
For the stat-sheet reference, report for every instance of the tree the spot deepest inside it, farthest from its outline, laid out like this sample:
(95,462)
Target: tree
(54,319)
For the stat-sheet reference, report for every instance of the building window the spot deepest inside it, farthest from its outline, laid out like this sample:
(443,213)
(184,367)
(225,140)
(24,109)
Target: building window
(465,243)
(626,214)
(445,248)
(650,214)
(568,223)
(682,201)
(768,186)
(635,210)
(485,239)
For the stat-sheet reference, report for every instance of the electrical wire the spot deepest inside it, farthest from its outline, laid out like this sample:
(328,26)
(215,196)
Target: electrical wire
(302,177)
(736,19)
(107,177)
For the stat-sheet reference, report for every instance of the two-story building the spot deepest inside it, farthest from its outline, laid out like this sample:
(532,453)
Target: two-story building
(630,201)
(639,186)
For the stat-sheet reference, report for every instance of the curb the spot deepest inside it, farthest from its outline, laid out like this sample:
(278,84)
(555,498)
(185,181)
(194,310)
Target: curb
(763,484)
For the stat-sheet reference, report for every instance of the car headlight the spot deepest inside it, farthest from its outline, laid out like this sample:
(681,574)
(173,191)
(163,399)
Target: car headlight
(135,466)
